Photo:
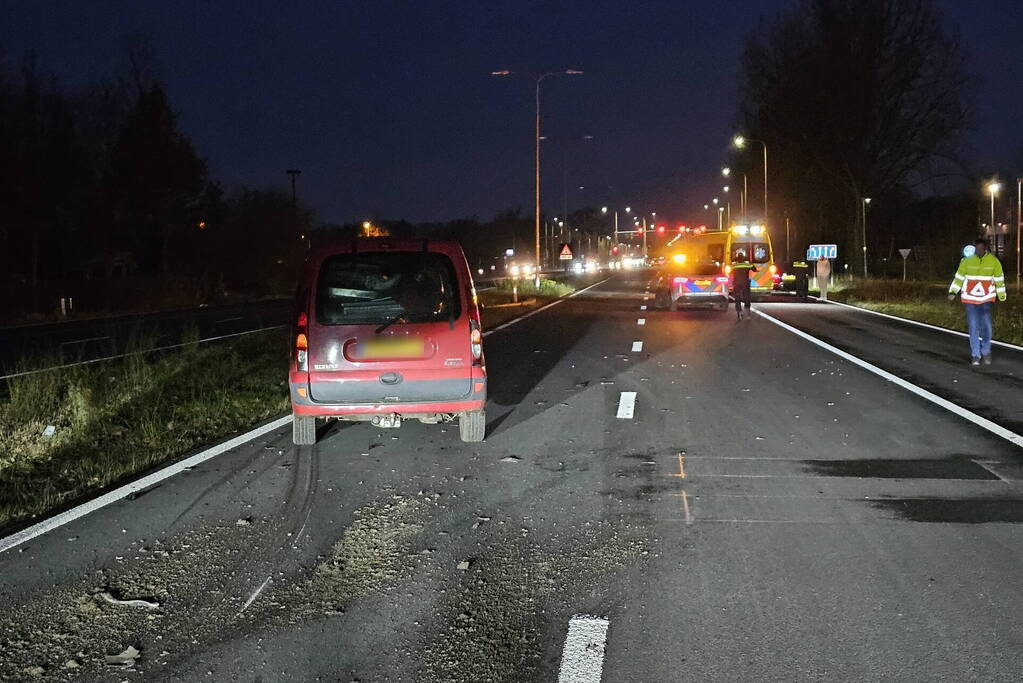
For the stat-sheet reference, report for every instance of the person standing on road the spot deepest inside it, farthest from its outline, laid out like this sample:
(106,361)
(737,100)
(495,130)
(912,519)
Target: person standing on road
(981,280)
(823,274)
(741,286)
(801,271)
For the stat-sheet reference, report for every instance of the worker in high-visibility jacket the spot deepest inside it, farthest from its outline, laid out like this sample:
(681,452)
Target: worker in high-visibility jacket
(980,281)
(801,271)
(741,292)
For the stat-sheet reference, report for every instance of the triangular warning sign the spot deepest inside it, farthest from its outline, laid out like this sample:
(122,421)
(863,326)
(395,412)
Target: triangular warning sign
(566,250)
(978,289)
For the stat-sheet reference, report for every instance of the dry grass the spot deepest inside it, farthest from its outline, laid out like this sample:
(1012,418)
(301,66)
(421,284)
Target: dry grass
(928,302)
(117,418)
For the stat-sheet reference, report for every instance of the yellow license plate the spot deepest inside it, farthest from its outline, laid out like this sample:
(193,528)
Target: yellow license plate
(701,283)
(400,347)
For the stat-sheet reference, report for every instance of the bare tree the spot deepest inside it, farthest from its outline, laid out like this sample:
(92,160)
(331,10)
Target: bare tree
(856,98)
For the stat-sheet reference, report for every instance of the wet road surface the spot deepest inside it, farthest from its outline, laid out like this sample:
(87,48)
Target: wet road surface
(769,512)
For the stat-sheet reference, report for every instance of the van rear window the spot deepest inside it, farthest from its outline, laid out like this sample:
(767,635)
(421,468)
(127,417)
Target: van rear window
(381,287)
(755,252)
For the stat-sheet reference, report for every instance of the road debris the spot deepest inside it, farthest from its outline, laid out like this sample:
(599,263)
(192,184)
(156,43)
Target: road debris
(136,602)
(510,458)
(125,659)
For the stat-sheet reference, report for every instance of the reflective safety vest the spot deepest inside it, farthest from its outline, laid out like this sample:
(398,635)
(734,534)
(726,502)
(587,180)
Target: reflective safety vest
(980,279)
(800,264)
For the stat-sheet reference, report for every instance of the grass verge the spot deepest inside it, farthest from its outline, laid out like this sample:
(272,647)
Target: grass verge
(115,419)
(928,302)
(121,417)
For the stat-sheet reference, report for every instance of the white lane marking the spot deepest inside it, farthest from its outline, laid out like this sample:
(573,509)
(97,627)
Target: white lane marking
(582,660)
(145,482)
(998,430)
(643,307)
(543,308)
(637,346)
(641,321)
(917,322)
(255,595)
(626,405)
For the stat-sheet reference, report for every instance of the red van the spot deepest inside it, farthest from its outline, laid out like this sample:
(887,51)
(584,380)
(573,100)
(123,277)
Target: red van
(388,330)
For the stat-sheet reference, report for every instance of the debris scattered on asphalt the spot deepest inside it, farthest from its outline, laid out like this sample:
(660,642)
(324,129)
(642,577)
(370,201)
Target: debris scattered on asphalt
(135,602)
(244,521)
(125,659)
(49,430)
(510,458)
(465,565)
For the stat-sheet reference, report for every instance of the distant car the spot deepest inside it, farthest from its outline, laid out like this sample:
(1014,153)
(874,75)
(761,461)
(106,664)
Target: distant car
(679,283)
(388,330)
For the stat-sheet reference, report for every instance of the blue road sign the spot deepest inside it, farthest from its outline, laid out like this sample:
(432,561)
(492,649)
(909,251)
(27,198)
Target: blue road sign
(816,252)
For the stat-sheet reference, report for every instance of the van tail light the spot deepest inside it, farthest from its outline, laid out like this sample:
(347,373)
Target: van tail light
(302,342)
(476,340)
(773,269)
(728,269)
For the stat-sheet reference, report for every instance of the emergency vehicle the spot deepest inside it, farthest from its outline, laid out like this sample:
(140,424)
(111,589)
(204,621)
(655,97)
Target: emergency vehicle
(698,265)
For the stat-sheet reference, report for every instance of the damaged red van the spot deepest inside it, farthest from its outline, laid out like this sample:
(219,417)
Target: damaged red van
(387,330)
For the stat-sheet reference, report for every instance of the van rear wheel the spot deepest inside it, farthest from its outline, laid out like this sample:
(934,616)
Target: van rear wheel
(472,425)
(303,430)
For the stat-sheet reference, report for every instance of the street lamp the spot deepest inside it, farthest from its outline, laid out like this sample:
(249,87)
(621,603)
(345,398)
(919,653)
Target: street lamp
(866,202)
(536,220)
(992,188)
(721,212)
(740,142)
(726,171)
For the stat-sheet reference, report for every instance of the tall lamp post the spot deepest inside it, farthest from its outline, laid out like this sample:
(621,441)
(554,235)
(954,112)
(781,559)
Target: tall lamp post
(992,189)
(1019,225)
(538,80)
(866,203)
(740,143)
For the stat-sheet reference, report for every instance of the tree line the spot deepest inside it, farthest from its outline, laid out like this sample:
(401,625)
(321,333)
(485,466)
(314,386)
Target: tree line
(858,100)
(100,183)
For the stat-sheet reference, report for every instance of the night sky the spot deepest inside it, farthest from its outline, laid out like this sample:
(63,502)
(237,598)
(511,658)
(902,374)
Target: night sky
(389,109)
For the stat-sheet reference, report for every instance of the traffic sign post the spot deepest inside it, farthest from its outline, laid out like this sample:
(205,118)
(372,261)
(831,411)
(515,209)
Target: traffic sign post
(905,255)
(565,252)
(815,252)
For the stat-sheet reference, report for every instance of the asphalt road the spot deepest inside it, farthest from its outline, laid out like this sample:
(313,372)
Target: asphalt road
(770,512)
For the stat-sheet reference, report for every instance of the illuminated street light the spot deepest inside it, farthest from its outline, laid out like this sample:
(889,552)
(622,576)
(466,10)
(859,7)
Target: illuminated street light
(603,209)
(628,209)
(725,188)
(992,188)
(726,171)
(714,201)
(740,142)
(536,216)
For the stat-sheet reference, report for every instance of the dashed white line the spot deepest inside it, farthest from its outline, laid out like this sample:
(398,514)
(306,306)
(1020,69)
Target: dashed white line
(582,660)
(641,321)
(626,405)
(637,346)
(983,422)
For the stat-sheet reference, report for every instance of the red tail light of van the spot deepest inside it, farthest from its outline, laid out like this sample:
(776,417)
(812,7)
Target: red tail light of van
(302,342)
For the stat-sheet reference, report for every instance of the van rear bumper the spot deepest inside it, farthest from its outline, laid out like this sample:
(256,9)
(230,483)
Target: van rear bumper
(305,405)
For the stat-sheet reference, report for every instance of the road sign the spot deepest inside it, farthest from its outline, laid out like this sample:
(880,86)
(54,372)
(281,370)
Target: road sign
(816,252)
(905,255)
(565,253)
